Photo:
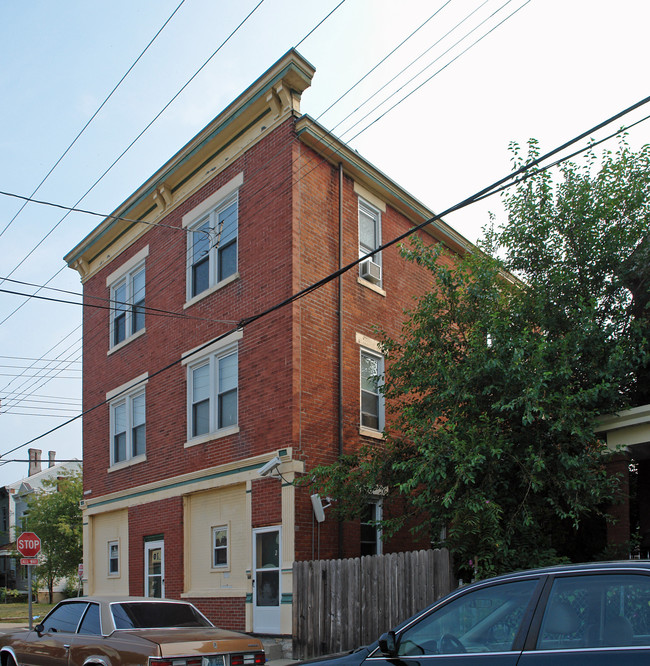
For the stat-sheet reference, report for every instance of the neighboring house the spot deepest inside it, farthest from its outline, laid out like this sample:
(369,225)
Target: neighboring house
(628,434)
(255,208)
(14,506)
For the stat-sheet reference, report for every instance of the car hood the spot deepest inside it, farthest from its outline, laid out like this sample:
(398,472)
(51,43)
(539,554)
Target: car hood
(202,640)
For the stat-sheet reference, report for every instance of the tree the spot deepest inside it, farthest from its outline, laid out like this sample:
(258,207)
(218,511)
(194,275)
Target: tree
(495,385)
(55,515)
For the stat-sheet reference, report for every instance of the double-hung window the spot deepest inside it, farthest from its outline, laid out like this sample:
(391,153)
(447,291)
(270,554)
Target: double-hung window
(213,247)
(127,294)
(113,558)
(220,547)
(213,388)
(128,427)
(369,240)
(372,404)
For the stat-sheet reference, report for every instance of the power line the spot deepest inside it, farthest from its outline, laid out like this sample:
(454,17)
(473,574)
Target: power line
(99,108)
(515,177)
(121,155)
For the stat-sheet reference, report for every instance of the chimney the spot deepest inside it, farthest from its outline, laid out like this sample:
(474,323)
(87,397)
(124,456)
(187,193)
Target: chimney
(51,455)
(34,461)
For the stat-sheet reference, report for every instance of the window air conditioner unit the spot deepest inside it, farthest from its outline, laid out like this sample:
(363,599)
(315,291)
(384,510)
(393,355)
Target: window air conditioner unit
(370,271)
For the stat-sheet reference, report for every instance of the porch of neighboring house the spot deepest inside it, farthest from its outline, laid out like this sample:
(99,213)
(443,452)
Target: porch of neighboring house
(628,434)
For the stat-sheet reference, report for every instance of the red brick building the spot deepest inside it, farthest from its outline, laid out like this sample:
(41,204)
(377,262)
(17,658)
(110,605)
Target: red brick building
(195,396)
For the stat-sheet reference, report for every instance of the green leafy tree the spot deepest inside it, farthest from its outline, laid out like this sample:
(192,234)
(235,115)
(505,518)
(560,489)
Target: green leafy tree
(495,384)
(54,514)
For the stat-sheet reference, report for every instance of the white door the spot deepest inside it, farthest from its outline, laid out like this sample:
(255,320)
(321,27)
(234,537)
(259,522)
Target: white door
(154,569)
(266,580)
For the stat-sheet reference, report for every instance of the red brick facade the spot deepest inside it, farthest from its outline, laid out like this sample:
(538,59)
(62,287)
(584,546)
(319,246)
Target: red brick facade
(288,364)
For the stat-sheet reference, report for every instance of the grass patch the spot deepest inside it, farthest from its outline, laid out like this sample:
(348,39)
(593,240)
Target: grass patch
(17,612)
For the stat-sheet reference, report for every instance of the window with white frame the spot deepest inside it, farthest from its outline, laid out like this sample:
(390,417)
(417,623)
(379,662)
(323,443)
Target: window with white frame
(212,253)
(128,427)
(369,240)
(220,547)
(370,528)
(372,404)
(127,305)
(213,384)
(113,558)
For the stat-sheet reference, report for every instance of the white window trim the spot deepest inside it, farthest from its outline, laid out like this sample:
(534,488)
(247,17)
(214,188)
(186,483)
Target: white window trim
(211,354)
(125,272)
(213,200)
(371,347)
(125,394)
(128,266)
(371,210)
(198,353)
(114,574)
(140,380)
(225,567)
(223,197)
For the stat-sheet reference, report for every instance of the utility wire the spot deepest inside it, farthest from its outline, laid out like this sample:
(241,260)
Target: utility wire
(515,176)
(121,155)
(99,108)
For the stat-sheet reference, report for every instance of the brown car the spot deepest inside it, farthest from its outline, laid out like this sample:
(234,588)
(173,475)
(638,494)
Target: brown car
(104,631)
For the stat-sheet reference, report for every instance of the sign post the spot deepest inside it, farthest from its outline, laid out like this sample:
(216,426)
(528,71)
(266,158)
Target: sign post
(29,546)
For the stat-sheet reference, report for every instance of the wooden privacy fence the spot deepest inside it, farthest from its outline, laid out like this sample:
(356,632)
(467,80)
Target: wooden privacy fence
(339,605)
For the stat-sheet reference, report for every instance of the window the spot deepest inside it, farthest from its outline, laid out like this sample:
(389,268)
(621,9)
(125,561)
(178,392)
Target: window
(370,531)
(372,404)
(213,393)
(483,620)
(369,240)
(91,624)
(65,618)
(127,301)
(219,547)
(113,558)
(128,433)
(213,246)
(596,611)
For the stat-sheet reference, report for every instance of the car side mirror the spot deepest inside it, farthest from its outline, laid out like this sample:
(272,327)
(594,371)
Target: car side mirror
(39,628)
(388,644)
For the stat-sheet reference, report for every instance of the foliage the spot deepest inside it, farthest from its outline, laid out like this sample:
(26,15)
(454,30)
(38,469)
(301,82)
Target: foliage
(55,515)
(495,385)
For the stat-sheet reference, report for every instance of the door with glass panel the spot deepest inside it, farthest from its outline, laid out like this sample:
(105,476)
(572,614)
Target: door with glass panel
(154,569)
(266,580)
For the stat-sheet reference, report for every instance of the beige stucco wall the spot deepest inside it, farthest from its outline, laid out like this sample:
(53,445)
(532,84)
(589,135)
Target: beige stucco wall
(203,511)
(106,527)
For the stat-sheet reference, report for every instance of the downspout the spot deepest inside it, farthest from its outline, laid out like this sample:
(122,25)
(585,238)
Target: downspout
(340,339)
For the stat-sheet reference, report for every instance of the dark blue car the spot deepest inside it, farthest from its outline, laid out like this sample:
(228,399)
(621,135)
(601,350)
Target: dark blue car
(591,614)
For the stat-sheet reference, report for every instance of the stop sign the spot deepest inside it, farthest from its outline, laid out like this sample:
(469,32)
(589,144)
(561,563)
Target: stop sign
(28,544)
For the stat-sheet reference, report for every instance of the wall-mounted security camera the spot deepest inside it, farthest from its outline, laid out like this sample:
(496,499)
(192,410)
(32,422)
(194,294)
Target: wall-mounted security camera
(270,467)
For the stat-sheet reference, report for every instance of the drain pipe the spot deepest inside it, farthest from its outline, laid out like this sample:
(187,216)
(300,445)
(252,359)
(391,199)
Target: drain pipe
(340,340)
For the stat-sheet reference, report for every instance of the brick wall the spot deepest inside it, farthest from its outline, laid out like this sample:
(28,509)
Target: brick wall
(164,519)
(288,364)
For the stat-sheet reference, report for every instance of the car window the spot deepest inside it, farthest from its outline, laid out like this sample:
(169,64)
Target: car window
(152,614)
(596,610)
(65,617)
(91,625)
(483,620)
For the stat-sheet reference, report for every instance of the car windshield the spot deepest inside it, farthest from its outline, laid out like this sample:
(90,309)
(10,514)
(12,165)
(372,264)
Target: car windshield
(156,615)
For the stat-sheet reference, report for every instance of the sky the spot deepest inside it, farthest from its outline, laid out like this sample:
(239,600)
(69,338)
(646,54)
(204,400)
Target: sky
(482,73)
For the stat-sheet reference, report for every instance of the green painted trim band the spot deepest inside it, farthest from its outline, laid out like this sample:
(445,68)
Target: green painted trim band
(178,484)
